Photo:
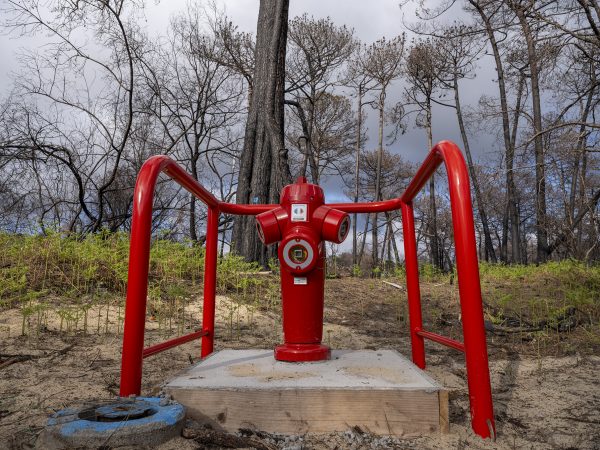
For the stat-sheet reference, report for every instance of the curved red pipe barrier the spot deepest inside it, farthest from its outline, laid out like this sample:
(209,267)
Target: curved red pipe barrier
(139,258)
(467,267)
(474,346)
(469,288)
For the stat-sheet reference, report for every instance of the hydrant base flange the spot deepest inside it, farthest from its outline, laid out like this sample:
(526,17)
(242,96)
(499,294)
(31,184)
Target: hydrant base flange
(302,352)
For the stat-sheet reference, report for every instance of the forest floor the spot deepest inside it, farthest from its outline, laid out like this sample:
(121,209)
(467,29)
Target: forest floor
(544,373)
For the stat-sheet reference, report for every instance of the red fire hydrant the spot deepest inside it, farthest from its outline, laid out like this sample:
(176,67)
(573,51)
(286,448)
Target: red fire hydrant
(301,224)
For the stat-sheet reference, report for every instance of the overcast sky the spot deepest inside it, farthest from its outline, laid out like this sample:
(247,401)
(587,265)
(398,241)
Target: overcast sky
(370,21)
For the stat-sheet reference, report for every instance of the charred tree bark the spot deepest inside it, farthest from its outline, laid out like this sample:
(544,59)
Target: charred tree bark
(489,246)
(540,165)
(508,143)
(436,256)
(359,96)
(264,168)
(512,203)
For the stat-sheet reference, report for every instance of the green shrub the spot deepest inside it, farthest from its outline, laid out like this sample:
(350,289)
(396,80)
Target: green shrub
(76,267)
(430,273)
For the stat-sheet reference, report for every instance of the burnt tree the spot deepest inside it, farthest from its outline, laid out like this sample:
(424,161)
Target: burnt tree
(264,166)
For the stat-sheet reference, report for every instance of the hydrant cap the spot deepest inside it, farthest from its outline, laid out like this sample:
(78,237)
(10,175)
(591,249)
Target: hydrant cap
(270,225)
(302,192)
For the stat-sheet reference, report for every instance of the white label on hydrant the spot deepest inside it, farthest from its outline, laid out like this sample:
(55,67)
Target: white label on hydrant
(299,212)
(300,280)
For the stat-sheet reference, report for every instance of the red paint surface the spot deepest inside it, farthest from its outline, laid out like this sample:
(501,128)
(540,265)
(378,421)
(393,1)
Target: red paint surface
(452,343)
(302,304)
(154,349)
(139,257)
(467,267)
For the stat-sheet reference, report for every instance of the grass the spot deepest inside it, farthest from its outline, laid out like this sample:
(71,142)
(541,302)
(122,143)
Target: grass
(551,309)
(81,284)
(545,293)
(535,294)
(72,278)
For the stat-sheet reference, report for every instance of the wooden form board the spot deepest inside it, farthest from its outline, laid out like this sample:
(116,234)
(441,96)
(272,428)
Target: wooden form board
(379,391)
(317,411)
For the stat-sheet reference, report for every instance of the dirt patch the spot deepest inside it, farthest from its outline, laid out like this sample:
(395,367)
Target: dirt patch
(545,397)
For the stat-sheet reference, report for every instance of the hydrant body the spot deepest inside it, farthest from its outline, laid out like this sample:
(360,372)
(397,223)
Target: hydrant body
(301,225)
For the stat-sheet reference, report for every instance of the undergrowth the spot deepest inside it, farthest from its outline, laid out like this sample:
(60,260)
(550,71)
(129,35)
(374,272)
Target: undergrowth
(83,281)
(561,284)
(552,308)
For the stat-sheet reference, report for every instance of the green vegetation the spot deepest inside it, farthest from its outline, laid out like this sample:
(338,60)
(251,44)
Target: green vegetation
(553,296)
(80,285)
(553,308)
(39,266)
(535,296)
(72,278)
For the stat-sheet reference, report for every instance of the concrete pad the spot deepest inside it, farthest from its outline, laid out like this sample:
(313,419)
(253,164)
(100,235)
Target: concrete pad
(347,369)
(378,390)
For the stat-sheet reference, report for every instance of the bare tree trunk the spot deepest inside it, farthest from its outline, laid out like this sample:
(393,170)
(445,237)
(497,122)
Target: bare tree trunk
(511,200)
(119,149)
(480,248)
(489,246)
(510,188)
(524,247)
(192,222)
(382,65)
(357,173)
(307,153)
(194,170)
(264,166)
(579,151)
(391,242)
(364,239)
(582,176)
(540,168)
(395,245)
(390,234)
(433,240)
(585,209)
(582,184)
(314,166)
(374,231)
(222,247)
(504,238)
(384,245)
(436,259)
(511,215)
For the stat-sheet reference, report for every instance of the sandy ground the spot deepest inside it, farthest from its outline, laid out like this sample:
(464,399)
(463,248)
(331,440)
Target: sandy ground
(541,401)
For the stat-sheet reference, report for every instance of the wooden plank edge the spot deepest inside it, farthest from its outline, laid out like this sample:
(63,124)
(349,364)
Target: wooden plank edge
(444,411)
